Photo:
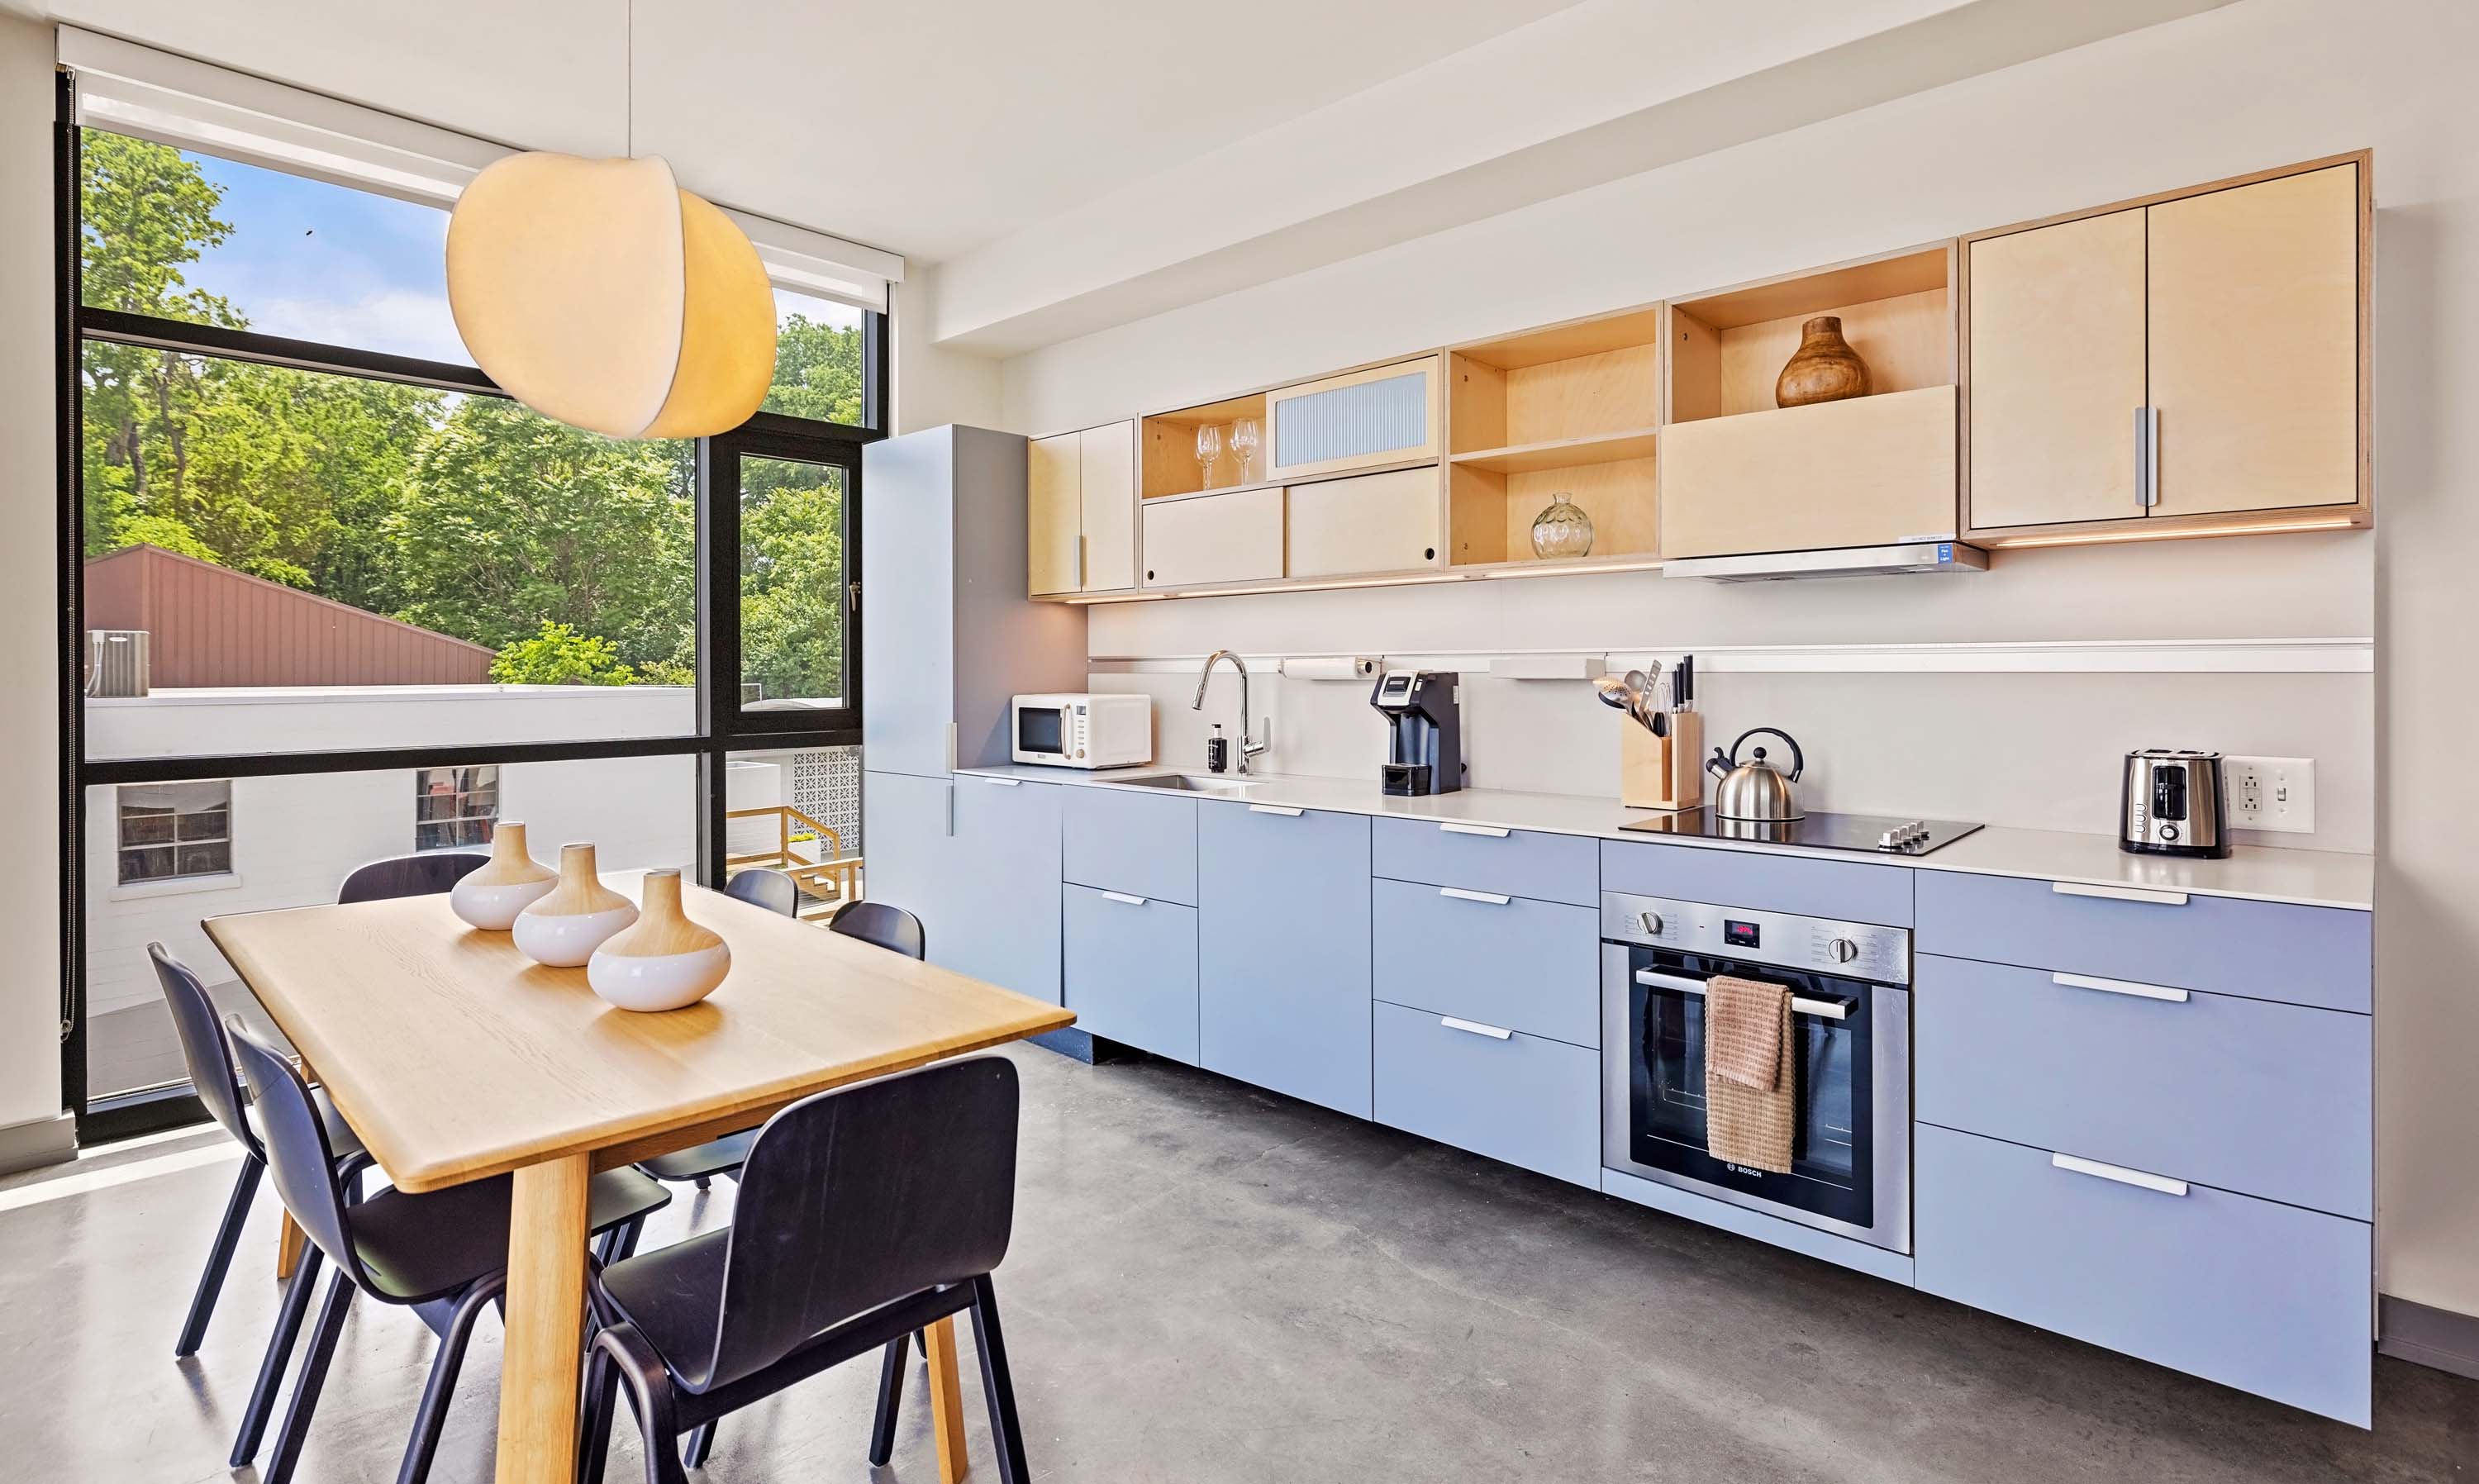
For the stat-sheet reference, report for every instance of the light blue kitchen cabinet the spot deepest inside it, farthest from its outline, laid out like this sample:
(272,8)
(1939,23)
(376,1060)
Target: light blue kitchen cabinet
(2250,1095)
(1524,1099)
(2269,1298)
(948,634)
(1283,950)
(1488,857)
(1130,967)
(1006,927)
(1845,890)
(1120,839)
(2320,956)
(910,824)
(1502,961)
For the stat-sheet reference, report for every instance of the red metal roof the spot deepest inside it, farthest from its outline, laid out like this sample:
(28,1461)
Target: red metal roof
(209,626)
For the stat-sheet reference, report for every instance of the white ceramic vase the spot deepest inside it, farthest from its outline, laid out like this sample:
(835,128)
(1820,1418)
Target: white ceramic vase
(491,897)
(564,927)
(665,961)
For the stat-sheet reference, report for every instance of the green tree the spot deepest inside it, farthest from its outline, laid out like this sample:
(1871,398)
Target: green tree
(817,371)
(557,655)
(791,578)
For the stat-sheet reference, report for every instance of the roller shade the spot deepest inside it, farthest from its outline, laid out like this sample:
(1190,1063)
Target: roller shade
(188,104)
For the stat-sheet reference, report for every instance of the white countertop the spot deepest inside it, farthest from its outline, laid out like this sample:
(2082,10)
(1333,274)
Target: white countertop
(2307,877)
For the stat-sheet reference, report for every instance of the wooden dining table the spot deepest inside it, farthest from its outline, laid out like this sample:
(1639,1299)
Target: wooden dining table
(455,1057)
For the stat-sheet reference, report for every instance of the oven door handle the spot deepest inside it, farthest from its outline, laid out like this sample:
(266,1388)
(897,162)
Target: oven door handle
(1823,1009)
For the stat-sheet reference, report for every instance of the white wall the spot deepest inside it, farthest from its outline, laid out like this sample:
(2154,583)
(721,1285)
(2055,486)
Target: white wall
(935,385)
(212,722)
(2255,84)
(30,904)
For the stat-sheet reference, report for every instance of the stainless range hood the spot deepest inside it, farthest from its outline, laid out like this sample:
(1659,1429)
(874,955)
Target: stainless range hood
(1900,559)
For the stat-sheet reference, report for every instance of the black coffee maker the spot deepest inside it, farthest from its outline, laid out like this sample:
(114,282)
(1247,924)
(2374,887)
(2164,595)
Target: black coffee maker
(1424,730)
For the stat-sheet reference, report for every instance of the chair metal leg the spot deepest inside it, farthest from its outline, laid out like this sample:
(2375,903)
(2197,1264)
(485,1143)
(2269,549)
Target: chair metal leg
(211,1283)
(649,1397)
(279,1355)
(313,1375)
(890,1390)
(699,1445)
(431,1418)
(998,1387)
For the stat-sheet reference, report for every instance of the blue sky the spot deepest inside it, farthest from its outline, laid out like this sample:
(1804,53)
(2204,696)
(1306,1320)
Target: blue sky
(320,262)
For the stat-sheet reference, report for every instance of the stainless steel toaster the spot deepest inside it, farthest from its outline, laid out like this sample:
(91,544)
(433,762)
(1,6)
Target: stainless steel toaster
(2173,803)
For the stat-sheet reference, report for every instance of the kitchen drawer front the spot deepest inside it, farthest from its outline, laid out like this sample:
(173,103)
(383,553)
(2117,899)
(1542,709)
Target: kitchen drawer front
(2252,1293)
(1846,891)
(2263,950)
(1142,844)
(1131,970)
(1517,965)
(1283,951)
(2265,1099)
(1514,862)
(1214,538)
(1524,1099)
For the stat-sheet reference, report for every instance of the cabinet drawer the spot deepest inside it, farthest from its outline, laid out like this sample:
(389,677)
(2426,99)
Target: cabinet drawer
(2263,950)
(1843,890)
(1131,970)
(1515,964)
(1214,538)
(1117,840)
(2271,1100)
(1848,473)
(1369,522)
(2252,1293)
(1515,862)
(1520,1098)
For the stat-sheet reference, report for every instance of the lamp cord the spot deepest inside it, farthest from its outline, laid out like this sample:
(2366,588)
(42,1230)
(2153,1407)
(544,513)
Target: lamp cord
(629,87)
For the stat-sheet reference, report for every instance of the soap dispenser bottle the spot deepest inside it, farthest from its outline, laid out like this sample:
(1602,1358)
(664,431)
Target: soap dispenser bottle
(1218,752)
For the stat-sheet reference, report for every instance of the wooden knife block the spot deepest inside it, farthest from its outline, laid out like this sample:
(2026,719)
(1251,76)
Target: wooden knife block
(1662,773)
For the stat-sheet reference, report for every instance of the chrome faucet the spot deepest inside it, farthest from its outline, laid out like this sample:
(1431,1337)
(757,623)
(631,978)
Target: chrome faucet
(1247,748)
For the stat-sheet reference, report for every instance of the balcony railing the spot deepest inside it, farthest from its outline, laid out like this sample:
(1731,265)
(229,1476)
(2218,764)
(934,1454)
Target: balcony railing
(808,851)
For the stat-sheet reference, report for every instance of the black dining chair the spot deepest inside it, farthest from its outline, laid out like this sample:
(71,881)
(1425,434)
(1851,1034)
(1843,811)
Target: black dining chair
(443,1253)
(208,1052)
(766,888)
(891,928)
(865,1213)
(410,876)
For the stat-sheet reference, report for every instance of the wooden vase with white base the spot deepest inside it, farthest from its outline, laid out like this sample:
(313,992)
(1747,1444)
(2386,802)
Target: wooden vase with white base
(491,896)
(665,961)
(575,918)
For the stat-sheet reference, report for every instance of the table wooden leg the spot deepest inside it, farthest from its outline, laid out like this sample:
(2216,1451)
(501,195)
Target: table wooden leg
(290,1239)
(546,1315)
(946,1401)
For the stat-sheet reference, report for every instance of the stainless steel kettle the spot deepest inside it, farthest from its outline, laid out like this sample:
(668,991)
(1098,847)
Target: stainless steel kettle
(1756,789)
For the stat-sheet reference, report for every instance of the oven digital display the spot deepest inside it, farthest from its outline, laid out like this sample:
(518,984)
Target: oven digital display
(1741,935)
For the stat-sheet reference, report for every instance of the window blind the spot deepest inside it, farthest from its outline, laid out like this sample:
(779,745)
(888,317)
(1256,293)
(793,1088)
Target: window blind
(174,100)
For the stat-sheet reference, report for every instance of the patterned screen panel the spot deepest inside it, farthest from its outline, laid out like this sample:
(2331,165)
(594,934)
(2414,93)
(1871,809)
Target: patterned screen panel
(1369,416)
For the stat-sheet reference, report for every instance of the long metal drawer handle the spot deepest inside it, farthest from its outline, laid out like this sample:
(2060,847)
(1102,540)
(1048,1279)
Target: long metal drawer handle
(1123,896)
(1493,832)
(1284,809)
(2119,1173)
(1001,783)
(1493,1032)
(1823,1009)
(2119,893)
(2120,987)
(1461,895)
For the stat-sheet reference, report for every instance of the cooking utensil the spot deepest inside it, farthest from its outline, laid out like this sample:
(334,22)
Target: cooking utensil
(1756,789)
(1614,693)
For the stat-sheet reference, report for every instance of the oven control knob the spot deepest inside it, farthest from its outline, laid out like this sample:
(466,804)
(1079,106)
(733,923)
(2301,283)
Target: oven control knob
(1651,923)
(1843,950)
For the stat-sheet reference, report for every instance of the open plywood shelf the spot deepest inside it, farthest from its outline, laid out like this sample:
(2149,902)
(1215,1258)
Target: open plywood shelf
(1491,512)
(1166,448)
(1727,348)
(1635,442)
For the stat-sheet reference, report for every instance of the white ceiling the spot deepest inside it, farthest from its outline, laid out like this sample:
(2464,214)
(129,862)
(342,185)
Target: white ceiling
(926,128)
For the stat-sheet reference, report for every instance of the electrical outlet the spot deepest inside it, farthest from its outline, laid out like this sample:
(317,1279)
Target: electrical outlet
(2272,793)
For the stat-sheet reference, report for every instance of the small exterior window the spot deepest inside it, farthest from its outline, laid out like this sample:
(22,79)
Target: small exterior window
(170,831)
(453,808)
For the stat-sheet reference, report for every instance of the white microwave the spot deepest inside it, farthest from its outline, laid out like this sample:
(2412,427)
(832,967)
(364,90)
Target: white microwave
(1083,729)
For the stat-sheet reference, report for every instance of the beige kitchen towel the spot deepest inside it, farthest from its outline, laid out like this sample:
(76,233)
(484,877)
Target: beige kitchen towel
(1751,1089)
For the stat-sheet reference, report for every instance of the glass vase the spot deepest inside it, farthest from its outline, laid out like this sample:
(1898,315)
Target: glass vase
(1563,529)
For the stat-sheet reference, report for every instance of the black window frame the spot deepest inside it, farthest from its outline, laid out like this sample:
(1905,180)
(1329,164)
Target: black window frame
(717,732)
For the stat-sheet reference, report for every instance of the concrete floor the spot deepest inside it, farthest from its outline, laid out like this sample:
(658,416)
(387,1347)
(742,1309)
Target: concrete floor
(1210,1283)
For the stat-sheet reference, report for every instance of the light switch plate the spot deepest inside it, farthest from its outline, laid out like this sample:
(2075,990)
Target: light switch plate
(2272,793)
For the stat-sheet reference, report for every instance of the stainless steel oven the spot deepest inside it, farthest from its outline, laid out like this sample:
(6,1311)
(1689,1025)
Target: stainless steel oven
(1851,1011)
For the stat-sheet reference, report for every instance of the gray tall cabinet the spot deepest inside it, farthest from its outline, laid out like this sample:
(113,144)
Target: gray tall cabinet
(948,636)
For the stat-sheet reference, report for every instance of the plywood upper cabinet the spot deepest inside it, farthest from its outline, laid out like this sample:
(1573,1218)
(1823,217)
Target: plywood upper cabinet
(1198,540)
(1386,522)
(1081,512)
(2191,363)
(1383,415)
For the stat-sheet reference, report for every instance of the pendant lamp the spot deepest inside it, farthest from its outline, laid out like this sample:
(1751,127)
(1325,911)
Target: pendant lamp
(600,294)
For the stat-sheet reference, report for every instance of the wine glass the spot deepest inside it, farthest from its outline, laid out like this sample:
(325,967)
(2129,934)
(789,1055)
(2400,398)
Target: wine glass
(1209,447)
(1243,445)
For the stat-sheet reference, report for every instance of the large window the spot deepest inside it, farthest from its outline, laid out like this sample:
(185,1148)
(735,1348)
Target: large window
(360,571)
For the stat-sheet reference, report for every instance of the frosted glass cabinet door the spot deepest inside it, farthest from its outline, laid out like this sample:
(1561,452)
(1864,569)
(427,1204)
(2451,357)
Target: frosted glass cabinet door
(1386,414)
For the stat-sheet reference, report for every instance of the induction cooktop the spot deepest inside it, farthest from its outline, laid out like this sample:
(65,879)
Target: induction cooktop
(1882,835)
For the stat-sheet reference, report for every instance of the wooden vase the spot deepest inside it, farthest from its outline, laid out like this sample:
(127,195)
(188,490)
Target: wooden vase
(1824,369)
(564,927)
(491,896)
(665,961)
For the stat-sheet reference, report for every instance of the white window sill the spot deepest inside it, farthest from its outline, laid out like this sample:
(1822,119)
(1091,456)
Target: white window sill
(174,886)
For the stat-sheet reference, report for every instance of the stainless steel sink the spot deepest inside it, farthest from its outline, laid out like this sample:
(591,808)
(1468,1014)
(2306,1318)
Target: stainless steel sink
(1193,783)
